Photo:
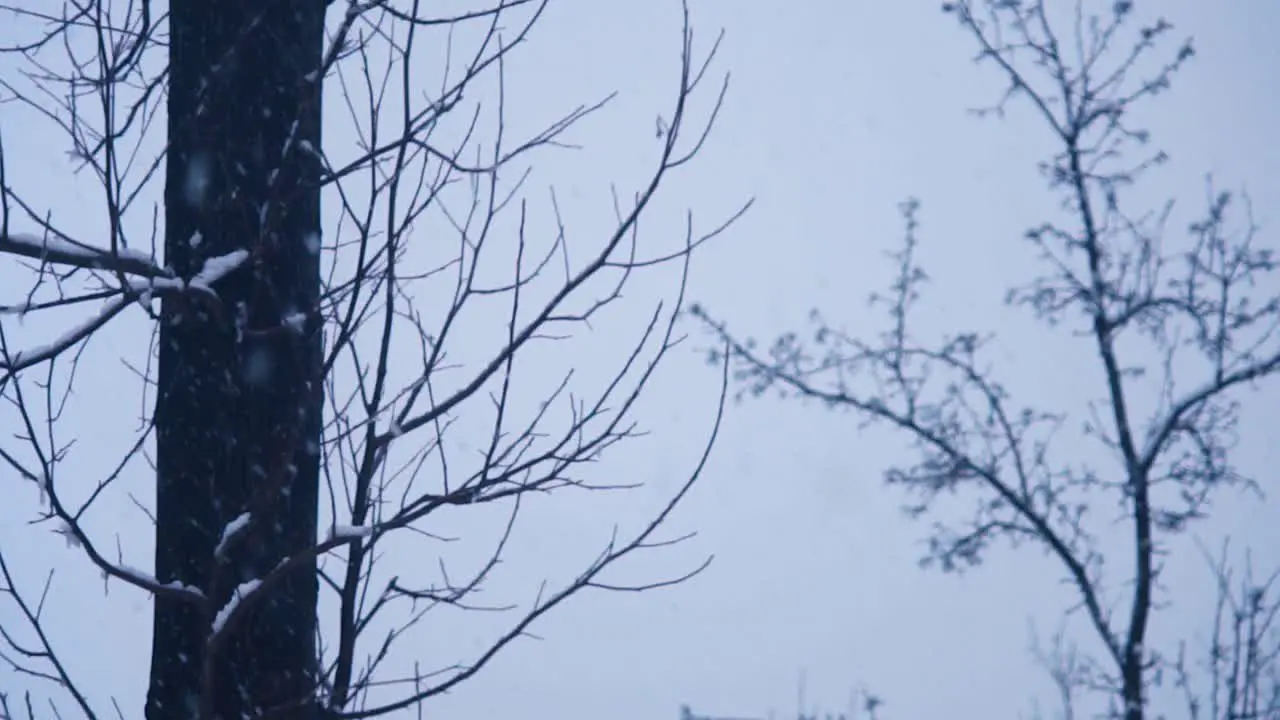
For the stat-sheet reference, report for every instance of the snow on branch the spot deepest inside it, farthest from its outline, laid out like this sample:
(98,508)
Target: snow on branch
(230,533)
(65,251)
(145,581)
(24,359)
(214,269)
(243,591)
(351,532)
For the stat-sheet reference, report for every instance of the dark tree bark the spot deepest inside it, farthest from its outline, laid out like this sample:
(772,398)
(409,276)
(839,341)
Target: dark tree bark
(238,412)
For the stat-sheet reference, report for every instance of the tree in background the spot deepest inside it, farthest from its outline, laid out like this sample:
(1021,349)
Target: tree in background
(1183,327)
(309,364)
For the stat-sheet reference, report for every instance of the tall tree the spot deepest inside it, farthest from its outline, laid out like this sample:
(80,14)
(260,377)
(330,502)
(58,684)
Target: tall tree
(314,368)
(1181,326)
(239,385)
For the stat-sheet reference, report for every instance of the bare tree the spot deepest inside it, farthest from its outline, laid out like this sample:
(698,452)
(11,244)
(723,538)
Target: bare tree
(1189,320)
(437,284)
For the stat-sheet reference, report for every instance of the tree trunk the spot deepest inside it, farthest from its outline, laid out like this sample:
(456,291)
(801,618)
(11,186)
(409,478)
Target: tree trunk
(238,409)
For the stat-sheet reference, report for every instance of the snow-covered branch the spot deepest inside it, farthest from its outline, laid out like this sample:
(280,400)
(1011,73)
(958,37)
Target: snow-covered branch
(214,269)
(242,591)
(64,251)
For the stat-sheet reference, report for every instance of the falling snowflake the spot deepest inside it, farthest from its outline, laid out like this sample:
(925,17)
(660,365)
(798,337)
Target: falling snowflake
(195,186)
(258,367)
(66,531)
(295,321)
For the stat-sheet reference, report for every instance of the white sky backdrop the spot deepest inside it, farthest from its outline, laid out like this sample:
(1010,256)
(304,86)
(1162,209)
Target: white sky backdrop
(838,111)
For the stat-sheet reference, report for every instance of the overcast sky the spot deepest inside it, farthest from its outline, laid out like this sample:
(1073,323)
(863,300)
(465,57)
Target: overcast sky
(838,110)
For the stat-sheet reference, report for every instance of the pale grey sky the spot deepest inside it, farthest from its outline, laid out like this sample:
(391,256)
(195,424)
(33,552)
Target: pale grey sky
(838,110)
